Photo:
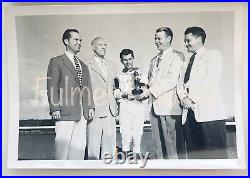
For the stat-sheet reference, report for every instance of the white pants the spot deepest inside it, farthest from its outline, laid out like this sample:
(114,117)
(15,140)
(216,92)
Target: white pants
(132,116)
(70,141)
(101,134)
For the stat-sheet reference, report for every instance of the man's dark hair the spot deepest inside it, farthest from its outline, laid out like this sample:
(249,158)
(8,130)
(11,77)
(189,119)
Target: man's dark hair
(197,31)
(67,34)
(126,52)
(167,31)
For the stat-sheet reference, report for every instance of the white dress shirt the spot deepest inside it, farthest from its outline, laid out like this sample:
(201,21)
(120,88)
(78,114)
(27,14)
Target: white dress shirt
(102,65)
(71,58)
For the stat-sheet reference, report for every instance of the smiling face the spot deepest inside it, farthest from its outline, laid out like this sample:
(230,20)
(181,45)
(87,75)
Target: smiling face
(99,47)
(162,41)
(192,42)
(127,61)
(73,44)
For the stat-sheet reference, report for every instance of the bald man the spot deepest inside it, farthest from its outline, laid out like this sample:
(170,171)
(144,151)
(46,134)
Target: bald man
(102,128)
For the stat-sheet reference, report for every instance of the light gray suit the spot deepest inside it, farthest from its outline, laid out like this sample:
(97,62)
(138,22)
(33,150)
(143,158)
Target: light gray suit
(102,129)
(165,114)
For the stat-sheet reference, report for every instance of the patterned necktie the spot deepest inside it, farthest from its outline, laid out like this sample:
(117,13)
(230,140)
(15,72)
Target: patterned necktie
(189,67)
(159,58)
(154,65)
(78,70)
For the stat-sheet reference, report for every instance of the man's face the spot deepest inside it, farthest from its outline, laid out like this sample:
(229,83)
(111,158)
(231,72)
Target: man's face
(100,47)
(192,42)
(128,61)
(74,42)
(162,41)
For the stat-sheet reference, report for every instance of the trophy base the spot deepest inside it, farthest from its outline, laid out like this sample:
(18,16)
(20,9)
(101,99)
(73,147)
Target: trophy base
(137,91)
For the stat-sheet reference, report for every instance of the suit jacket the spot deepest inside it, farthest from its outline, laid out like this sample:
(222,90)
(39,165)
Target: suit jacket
(204,86)
(64,91)
(163,82)
(102,88)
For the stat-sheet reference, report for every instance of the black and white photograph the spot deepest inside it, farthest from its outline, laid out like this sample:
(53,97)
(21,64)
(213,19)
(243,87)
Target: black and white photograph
(104,86)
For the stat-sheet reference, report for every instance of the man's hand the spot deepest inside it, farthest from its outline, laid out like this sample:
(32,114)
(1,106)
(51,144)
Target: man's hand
(124,95)
(187,103)
(117,94)
(56,115)
(91,114)
(144,95)
(117,118)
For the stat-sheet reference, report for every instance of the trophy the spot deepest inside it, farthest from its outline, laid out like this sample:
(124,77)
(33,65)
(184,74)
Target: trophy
(117,86)
(116,83)
(137,84)
(132,91)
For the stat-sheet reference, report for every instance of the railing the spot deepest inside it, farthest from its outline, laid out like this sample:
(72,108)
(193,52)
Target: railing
(48,126)
(36,138)
(48,123)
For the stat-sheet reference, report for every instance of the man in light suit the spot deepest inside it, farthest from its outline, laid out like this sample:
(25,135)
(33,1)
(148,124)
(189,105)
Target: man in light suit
(70,99)
(166,112)
(102,128)
(200,96)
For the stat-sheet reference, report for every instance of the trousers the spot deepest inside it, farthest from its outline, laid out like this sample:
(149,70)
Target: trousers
(167,133)
(205,140)
(101,137)
(70,140)
(131,119)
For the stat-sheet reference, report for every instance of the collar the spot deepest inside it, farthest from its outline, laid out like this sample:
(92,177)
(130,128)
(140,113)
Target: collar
(131,70)
(200,50)
(167,51)
(99,60)
(70,55)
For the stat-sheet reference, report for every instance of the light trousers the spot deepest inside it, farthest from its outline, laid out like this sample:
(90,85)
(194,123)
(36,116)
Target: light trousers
(101,134)
(168,136)
(131,119)
(70,140)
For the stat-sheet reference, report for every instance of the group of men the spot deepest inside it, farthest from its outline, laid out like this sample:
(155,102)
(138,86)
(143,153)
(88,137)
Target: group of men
(187,114)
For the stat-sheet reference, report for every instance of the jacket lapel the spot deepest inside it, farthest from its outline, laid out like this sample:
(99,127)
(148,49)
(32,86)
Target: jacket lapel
(198,66)
(94,66)
(70,66)
(165,61)
(110,70)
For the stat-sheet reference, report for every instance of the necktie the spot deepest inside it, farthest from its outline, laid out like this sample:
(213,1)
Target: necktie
(159,58)
(103,68)
(154,65)
(78,70)
(189,67)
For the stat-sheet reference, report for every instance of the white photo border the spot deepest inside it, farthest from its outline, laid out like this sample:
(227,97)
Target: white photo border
(13,91)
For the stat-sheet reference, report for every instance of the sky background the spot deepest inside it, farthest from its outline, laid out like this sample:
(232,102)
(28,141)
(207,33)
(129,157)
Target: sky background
(39,39)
